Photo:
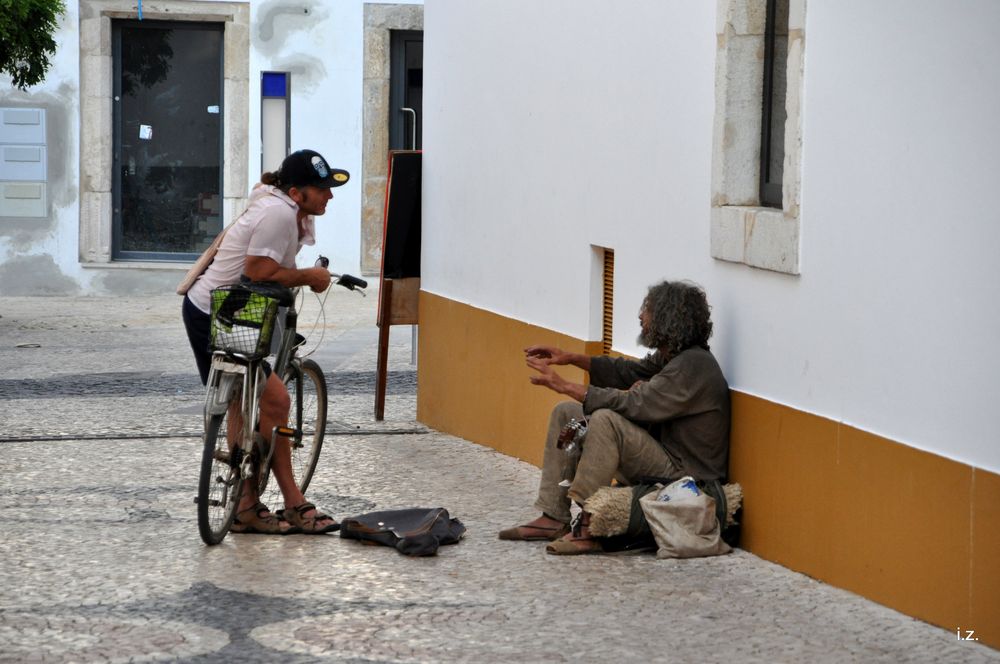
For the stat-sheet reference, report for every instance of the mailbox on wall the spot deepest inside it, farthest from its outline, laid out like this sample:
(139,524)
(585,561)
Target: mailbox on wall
(23,162)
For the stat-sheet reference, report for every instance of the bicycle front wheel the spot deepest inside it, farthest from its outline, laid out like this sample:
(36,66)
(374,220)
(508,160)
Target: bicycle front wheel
(220,483)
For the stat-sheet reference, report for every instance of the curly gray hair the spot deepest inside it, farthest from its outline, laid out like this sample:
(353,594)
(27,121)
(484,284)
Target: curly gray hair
(680,317)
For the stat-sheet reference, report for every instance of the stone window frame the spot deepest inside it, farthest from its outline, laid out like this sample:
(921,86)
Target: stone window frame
(743,231)
(380,19)
(96,131)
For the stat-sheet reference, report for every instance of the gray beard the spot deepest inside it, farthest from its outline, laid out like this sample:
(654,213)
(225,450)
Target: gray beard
(644,340)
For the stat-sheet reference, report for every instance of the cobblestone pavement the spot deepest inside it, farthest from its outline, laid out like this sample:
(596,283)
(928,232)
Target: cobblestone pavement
(99,449)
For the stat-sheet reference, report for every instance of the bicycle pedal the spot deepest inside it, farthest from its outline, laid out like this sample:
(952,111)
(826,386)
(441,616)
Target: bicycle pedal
(284,431)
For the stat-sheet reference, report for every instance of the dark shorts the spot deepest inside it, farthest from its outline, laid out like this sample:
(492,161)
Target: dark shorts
(199,330)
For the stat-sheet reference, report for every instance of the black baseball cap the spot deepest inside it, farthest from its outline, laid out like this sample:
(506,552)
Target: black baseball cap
(309,168)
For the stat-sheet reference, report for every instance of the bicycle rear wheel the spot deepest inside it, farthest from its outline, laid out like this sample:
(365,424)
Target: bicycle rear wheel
(220,483)
(307,390)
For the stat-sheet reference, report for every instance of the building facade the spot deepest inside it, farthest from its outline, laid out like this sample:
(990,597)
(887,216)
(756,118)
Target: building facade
(156,119)
(827,179)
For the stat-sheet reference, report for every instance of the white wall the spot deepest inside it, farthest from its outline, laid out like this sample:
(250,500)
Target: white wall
(900,227)
(323,51)
(323,48)
(553,126)
(55,238)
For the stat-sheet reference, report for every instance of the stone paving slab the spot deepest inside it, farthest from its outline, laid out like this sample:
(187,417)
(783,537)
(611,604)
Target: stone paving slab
(102,561)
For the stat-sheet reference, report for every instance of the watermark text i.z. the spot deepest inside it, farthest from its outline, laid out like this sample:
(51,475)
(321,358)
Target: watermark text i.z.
(969,634)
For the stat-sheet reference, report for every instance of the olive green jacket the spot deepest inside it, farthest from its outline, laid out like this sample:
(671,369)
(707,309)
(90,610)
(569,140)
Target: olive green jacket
(684,403)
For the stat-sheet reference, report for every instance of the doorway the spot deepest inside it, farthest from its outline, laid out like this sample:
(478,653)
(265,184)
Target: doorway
(167,138)
(384,24)
(406,95)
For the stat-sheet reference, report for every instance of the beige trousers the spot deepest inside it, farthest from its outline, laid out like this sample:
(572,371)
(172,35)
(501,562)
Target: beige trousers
(615,448)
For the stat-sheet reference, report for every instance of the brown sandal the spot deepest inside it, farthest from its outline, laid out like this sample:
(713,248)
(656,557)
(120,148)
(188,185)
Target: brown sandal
(259,519)
(308,524)
(576,542)
(574,546)
(516,533)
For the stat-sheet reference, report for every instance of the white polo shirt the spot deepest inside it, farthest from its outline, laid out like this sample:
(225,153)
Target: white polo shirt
(267,228)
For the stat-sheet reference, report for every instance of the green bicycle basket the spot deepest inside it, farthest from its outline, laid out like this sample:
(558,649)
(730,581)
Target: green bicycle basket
(242,321)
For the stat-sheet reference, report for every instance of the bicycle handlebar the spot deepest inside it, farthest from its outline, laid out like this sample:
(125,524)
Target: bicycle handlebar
(349,282)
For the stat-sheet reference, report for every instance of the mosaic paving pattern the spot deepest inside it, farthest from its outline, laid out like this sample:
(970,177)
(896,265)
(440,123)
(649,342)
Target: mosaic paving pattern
(99,450)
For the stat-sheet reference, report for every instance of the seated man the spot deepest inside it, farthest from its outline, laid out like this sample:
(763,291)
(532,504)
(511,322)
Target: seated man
(665,416)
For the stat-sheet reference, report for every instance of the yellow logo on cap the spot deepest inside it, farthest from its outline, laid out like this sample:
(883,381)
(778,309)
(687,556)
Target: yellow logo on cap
(340,177)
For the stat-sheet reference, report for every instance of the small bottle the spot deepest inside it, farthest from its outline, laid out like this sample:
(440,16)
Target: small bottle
(571,443)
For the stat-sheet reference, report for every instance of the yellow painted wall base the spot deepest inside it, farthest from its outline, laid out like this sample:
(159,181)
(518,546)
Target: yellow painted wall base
(906,528)
(476,386)
(909,529)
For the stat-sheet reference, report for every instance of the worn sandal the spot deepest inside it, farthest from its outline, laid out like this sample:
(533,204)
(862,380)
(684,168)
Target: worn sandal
(517,533)
(259,519)
(574,546)
(308,524)
(576,542)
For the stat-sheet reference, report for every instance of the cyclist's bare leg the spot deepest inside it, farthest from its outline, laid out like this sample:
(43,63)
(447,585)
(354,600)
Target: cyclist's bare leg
(274,406)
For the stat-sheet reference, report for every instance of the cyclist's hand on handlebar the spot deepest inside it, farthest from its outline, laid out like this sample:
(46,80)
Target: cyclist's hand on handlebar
(347,281)
(316,278)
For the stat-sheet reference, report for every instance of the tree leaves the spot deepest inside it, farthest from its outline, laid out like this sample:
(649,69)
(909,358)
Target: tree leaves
(26,41)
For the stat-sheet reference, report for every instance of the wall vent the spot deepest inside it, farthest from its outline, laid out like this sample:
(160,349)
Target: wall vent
(608,300)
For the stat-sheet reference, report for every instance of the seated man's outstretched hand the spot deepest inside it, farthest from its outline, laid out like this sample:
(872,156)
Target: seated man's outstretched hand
(553,355)
(548,354)
(547,377)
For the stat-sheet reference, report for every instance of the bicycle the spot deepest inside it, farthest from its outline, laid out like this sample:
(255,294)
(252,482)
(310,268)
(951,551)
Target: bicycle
(244,319)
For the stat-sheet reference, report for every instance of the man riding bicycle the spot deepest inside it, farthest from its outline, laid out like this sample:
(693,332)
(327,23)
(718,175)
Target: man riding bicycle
(261,245)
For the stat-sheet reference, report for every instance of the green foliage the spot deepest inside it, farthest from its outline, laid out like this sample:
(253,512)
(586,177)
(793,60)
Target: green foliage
(26,42)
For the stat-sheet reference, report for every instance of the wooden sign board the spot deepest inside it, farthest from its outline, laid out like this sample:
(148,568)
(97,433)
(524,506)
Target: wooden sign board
(399,287)
(401,230)
(401,307)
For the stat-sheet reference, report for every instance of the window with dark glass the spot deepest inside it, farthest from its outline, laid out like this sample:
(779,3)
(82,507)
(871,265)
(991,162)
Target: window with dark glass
(167,149)
(772,141)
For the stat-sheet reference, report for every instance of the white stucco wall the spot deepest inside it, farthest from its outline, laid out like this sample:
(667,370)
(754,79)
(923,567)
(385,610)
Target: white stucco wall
(323,51)
(53,240)
(554,126)
(900,229)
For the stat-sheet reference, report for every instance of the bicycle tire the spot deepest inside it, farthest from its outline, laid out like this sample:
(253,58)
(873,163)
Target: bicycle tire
(220,483)
(306,388)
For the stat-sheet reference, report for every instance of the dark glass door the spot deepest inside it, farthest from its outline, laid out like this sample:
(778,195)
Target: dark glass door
(406,90)
(167,105)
